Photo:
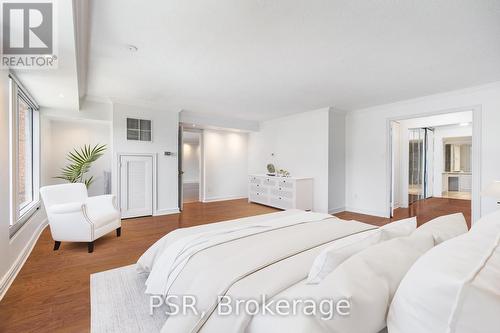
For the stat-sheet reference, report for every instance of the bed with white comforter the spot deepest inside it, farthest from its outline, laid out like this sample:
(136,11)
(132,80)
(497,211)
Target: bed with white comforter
(243,259)
(296,255)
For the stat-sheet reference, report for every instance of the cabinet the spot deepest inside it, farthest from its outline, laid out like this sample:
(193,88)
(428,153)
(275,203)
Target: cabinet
(281,192)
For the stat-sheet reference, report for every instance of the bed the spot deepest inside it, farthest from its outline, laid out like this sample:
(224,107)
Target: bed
(288,256)
(233,265)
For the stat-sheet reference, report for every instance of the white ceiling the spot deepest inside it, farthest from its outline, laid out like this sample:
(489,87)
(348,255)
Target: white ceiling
(259,59)
(57,88)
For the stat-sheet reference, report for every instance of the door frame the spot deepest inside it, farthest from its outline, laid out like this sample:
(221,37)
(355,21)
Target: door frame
(154,173)
(476,155)
(201,159)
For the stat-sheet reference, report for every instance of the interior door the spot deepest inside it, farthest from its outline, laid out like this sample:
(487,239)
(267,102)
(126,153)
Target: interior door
(136,186)
(416,181)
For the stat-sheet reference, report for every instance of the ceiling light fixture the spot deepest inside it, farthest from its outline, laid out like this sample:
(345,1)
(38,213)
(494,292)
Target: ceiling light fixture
(61,95)
(132,48)
(464,124)
(194,125)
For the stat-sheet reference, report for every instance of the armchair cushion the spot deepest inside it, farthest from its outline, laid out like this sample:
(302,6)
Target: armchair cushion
(101,210)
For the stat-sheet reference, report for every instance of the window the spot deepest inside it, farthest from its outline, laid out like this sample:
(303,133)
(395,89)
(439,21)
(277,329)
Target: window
(24,154)
(138,129)
(25,158)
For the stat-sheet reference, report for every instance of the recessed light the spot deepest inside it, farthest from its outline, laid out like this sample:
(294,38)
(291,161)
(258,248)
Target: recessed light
(464,124)
(194,125)
(61,95)
(132,48)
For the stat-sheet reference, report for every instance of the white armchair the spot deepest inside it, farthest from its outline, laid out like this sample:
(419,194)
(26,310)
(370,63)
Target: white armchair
(76,217)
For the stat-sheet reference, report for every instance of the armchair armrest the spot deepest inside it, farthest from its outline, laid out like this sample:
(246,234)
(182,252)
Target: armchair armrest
(67,208)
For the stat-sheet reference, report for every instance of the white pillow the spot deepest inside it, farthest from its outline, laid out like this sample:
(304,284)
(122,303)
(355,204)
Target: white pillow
(453,288)
(493,218)
(369,280)
(445,227)
(331,257)
(399,228)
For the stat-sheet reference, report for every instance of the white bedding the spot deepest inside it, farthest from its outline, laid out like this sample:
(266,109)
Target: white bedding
(245,258)
(175,257)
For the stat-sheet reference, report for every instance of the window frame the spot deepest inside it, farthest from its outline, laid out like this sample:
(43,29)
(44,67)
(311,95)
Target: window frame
(19,217)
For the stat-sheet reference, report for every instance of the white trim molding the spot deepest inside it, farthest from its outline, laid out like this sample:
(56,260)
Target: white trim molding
(336,210)
(215,199)
(11,274)
(168,211)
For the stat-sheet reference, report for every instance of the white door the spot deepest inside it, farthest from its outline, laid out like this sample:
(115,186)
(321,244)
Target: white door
(136,186)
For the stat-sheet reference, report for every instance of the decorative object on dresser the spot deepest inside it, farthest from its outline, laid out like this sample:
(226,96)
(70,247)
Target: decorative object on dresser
(283,173)
(271,170)
(281,192)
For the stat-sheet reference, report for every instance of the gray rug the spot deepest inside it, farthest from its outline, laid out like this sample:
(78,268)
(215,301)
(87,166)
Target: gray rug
(119,305)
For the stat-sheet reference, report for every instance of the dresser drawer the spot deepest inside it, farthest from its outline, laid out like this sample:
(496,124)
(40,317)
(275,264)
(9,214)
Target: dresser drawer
(258,188)
(281,202)
(286,184)
(270,181)
(258,197)
(255,180)
(279,192)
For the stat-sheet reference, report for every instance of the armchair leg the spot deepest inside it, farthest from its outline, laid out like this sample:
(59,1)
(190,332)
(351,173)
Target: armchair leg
(57,244)
(91,246)
(119,232)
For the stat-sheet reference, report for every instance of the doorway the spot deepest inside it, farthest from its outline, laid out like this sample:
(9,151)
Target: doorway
(190,166)
(433,157)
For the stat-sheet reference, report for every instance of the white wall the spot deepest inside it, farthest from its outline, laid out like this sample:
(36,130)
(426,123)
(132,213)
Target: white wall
(441,133)
(367,144)
(191,162)
(300,144)
(336,161)
(225,165)
(165,136)
(216,122)
(63,136)
(12,251)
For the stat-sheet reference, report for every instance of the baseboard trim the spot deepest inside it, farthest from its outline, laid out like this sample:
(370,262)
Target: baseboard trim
(170,211)
(336,210)
(215,199)
(366,212)
(11,275)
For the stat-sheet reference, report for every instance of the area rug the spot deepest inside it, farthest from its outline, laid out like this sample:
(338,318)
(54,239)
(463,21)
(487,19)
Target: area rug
(119,305)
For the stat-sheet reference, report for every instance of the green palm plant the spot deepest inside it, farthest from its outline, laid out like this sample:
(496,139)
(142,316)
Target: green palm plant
(80,162)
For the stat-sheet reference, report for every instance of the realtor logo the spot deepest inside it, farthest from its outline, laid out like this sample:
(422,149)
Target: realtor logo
(28,34)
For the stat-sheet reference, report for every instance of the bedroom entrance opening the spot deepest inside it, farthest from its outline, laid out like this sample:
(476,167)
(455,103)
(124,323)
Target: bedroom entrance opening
(431,158)
(189,166)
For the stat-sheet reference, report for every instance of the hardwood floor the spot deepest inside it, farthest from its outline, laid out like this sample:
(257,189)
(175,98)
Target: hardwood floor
(424,210)
(52,293)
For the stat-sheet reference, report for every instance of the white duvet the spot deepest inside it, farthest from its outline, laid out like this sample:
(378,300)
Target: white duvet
(244,258)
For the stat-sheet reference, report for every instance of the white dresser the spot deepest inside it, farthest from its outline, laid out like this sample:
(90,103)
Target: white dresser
(281,192)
